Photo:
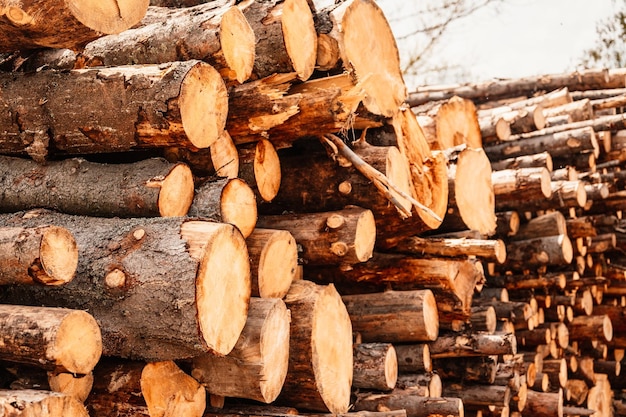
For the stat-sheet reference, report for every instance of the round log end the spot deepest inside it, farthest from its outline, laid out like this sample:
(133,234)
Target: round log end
(300,37)
(203,103)
(500,250)
(222,287)
(77,386)
(58,254)
(332,350)
(397,171)
(567,249)
(238,206)
(238,43)
(607,328)
(581,195)
(365,236)
(391,367)
(503,129)
(327,52)
(278,264)
(177,191)
(224,156)
(431,315)
(367,34)
(78,342)
(108,17)
(546,187)
(435,386)
(274,349)
(266,170)
(473,191)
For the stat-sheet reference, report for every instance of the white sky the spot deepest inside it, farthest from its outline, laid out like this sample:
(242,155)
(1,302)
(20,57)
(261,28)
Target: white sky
(519,38)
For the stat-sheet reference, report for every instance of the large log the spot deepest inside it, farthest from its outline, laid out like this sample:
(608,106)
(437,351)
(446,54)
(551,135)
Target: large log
(273,262)
(319,375)
(132,271)
(226,201)
(170,392)
(394,316)
(257,366)
(207,32)
(23,403)
(343,237)
(148,188)
(63,24)
(56,339)
(368,50)
(45,255)
(175,104)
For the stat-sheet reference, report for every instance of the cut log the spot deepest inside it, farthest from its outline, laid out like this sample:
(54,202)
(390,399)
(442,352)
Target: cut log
(453,281)
(471,200)
(507,223)
(117,389)
(578,111)
(133,270)
(539,160)
(394,316)
(257,366)
(413,358)
(62,24)
(23,403)
(512,186)
(169,392)
(77,386)
(56,339)
(479,395)
(344,237)
(285,37)
(206,32)
(474,344)
(226,201)
(45,255)
(148,188)
(549,224)
(491,250)
(273,262)
(375,366)
(415,406)
(429,384)
(526,282)
(454,122)
(481,369)
(176,104)
(544,404)
(319,376)
(552,250)
(260,168)
(556,369)
(591,327)
(362,32)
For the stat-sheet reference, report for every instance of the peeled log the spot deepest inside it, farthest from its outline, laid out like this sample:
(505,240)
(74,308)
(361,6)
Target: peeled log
(273,262)
(375,366)
(131,271)
(141,106)
(257,366)
(64,24)
(226,201)
(343,237)
(55,339)
(45,255)
(394,316)
(206,32)
(148,188)
(319,376)
(169,392)
(26,403)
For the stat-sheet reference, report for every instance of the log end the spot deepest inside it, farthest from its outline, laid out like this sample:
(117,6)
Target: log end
(300,37)
(238,43)
(238,206)
(266,170)
(278,264)
(222,286)
(332,350)
(177,191)
(108,17)
(275,350)
(203,103)
(58,255)
(78,343)
(431,315)
(225,157)
(78,386)
(365,236)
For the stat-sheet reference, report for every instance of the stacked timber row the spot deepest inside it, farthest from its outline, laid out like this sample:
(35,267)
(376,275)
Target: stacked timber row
(249,219)
(554,146)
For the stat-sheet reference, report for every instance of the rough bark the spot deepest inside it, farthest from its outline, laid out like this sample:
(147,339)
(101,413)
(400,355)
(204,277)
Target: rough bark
(473,344)
(375,366)
(413,358)
(23,403)
(175,104)
(512,186)
(491,250)
(62,24)
(415,406)
(148,188)
(133,270)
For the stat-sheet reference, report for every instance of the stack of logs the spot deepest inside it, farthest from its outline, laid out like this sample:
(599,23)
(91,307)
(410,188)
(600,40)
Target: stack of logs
(257,219)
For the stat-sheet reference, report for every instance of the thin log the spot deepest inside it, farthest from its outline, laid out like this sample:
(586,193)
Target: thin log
(539,160)
(491,250)
(473,344)
(413,358)
(40,403)
(415,406)
(375,366)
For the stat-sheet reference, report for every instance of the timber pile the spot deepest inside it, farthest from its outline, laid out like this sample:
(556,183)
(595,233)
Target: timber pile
(254,218)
